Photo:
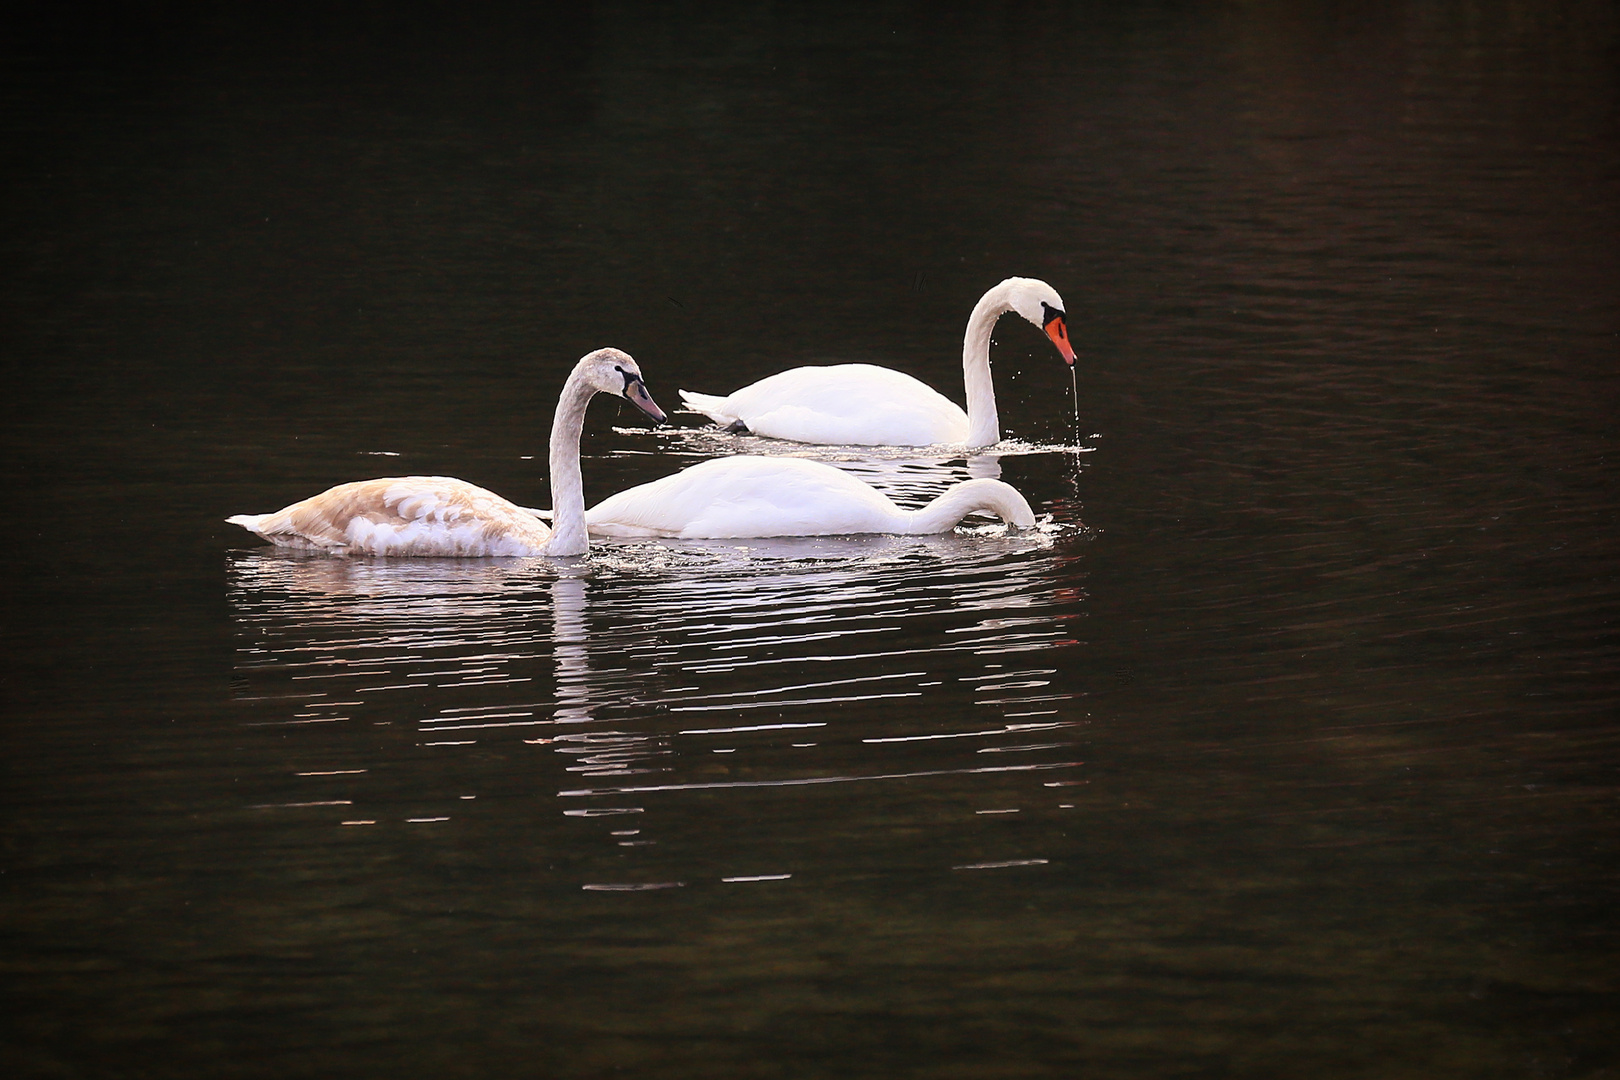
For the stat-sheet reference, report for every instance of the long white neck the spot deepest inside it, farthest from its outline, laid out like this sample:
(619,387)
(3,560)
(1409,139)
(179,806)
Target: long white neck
(1001,499)
(984,426)
(568,535)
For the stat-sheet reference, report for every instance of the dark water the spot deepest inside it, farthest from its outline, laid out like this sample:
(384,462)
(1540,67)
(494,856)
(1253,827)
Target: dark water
(1289,748)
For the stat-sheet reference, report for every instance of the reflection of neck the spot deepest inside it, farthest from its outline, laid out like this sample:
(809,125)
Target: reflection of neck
(984,466)
(984,426)
(568,536)
(569,650)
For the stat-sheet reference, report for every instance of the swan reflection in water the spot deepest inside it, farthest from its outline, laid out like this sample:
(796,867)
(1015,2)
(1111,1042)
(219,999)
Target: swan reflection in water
(368,626)
(673,666)
(568,644)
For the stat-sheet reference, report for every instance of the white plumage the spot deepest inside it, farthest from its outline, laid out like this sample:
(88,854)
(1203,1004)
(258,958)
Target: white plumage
(840,405)
(747,496)
(866,405)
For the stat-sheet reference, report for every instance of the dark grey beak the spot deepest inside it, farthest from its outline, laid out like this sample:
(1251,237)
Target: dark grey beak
(635,392)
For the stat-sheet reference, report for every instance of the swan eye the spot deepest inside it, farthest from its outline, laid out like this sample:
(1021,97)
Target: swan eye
(1048,313)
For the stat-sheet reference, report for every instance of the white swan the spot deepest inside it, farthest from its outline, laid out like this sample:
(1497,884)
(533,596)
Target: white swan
(747,495)
(865,405)
(440,515)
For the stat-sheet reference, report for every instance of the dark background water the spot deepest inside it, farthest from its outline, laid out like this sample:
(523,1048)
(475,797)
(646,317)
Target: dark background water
(1290,751)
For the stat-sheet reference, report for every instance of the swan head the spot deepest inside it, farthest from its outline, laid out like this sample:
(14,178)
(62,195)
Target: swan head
(1038,302)
(614,371)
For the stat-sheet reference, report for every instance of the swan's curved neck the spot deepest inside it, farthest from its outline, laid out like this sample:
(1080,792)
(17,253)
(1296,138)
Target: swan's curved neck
(945,512)
(984,426)
(568,535)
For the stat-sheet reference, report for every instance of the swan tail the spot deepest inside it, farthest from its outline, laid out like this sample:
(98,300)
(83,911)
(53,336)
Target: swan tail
(279,531)
(715,408)
(267,527)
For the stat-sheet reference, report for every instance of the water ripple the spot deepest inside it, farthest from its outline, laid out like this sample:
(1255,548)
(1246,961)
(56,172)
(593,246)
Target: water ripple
(827,663)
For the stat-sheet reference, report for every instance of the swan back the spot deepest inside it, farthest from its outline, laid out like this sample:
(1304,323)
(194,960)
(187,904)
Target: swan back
(748,496)
(403,515)
(841,404)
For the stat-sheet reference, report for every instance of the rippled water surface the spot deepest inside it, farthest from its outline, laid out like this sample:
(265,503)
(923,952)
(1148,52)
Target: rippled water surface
(1285,746)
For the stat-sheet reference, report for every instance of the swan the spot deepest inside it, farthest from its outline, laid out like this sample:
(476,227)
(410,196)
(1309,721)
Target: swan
(866,405)
(440,515)
(753,496)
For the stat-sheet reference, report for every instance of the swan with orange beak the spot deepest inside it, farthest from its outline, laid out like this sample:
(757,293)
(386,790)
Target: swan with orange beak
(867,405)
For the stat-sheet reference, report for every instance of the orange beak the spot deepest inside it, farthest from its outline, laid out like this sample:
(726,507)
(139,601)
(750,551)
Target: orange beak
(1059,333)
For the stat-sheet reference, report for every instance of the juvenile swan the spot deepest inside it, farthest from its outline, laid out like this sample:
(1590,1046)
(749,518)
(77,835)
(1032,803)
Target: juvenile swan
(770,496)
(865,405)
(440,515)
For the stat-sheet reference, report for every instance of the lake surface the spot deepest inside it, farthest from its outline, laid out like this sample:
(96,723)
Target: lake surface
(1289,745)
